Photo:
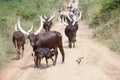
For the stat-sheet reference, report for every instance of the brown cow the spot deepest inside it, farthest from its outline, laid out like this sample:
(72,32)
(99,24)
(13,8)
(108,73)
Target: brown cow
(47,23)
(50,39)
(19,41)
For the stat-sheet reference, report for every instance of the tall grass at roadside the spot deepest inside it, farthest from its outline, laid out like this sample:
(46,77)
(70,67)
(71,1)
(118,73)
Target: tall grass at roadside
(104,17)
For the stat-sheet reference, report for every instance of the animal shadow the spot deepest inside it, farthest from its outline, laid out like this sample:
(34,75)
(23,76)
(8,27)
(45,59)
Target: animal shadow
(15,58)
(44,66)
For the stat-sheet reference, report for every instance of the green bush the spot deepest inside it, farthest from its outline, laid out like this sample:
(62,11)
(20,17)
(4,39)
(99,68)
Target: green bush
(26,13)
(105,13)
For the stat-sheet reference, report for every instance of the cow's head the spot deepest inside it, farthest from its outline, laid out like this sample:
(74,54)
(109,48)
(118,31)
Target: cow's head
(47,22)
(72,19)
(31,37)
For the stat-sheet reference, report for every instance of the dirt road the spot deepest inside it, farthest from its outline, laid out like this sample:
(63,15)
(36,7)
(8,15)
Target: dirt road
(99,63)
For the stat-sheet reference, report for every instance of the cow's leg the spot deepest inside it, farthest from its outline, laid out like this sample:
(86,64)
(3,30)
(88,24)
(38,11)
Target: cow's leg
(74,39)
(49,28)
(62,52)
(39,61)
(46,61)
(16,47)
(70,44)
(52,60)
(73,44)
(22,50)
(56,54)
(18,52)
(36,62)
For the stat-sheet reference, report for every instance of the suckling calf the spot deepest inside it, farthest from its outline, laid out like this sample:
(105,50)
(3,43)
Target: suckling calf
(41,53)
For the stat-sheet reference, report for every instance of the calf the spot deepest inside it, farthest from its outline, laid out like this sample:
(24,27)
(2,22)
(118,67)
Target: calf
(41,53)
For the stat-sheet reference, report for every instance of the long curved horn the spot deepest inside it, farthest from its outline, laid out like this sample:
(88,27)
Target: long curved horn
(51,17)
(79,16)
(21,28)
(69,17)
(74,22)
(43,19)
(30,29)
(45,16)
(40,28)
(16,27)
(64,22)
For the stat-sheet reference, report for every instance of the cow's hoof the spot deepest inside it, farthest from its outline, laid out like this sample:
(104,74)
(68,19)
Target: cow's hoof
(54,64)
(35,66)
(62,62)
(73,46)
(17,58)
(70,46)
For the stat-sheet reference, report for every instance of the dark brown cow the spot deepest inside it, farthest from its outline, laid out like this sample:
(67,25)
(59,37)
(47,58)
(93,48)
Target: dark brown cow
(19,41)
(47,23)
(50,39)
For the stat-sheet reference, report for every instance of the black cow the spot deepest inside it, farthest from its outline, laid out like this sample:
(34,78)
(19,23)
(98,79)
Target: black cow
(41,53)
(70,32)
(50,39)
(71,29)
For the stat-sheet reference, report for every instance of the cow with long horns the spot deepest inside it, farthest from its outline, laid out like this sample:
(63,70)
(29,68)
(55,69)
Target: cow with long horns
(71,29)
(50,39)
(47,23)
(19,41)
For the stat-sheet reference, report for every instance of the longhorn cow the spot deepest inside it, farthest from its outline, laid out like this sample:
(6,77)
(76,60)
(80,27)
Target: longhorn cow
(19,41)
(71,29)
(50,39)
(47,23)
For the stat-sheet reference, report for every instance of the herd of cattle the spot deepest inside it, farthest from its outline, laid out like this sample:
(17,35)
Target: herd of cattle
(45,44)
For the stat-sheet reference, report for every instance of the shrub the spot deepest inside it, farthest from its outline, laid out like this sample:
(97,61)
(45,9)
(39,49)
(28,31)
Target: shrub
(26,13)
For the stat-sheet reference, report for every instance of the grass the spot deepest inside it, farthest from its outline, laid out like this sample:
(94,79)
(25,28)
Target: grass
(104,17)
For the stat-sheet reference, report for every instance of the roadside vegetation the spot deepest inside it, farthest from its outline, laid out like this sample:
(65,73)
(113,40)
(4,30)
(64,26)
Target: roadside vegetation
(29,10)
(104,17)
